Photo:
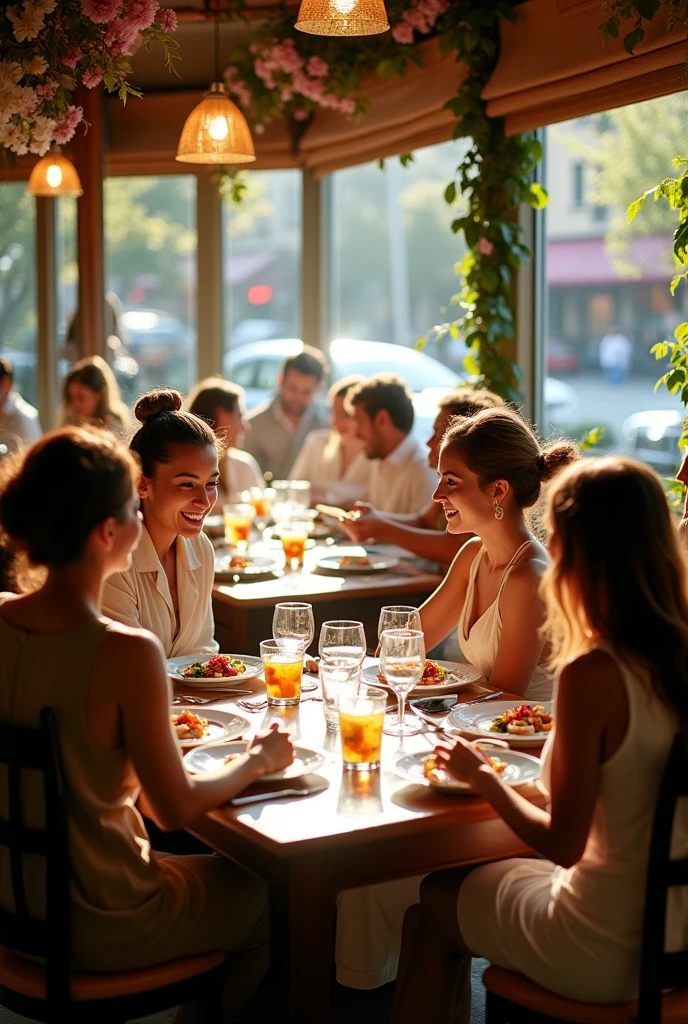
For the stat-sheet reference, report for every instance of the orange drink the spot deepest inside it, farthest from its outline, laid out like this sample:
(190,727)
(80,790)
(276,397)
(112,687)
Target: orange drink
(282,666)
(294,537)
(238,520)
(361,719)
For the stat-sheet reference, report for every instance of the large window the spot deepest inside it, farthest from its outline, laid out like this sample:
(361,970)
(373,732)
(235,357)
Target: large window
(608,282)
(150,261)
(18,316)
(262,259)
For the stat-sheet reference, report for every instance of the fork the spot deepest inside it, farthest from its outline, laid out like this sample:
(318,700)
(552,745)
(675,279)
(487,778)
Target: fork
(260,705)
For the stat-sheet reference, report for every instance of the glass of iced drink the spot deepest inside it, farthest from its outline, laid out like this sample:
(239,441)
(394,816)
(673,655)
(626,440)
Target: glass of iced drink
(238,521)
(282,667)
(294,535)
(361,716)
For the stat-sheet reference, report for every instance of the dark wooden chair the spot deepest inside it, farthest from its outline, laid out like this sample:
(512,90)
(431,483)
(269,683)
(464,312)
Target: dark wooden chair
(49,991)
(513,999)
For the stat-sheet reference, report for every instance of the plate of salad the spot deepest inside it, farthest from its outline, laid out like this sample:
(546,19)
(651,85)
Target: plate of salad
(438,677)
(521,725)
(217,670)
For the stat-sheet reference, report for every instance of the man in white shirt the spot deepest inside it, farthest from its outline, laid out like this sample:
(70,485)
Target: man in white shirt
(401,480)
(18,419)
(616,353)
(280,426)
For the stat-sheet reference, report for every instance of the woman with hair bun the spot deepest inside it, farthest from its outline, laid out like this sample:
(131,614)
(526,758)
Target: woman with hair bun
(492,469)
(108,688)
(167,588)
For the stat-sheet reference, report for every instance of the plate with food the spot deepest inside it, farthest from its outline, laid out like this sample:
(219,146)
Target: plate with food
(521,725)
(220,670)
(355,561)
(229,567)
(194,730)
(212,759)
(438,676)
(514,769)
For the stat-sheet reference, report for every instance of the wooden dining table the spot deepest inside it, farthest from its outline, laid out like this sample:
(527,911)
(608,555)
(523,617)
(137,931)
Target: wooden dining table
(362,828)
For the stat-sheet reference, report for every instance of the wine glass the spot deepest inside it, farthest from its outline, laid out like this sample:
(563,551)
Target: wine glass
(293,620)
(398,616)
(402,660)
(342,641)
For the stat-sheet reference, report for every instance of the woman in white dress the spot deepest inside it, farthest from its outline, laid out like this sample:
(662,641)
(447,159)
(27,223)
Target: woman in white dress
(617,616)
(223,405)
(492,468)
(333,460)
(168,586)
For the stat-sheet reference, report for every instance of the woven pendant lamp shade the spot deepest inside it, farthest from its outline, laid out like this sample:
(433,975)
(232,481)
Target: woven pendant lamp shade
(342,17)
(216,132)
(54,175)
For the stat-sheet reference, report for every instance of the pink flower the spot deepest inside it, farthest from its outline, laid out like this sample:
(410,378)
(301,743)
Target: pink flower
(168,22)
(101,11)
(403,32)
(286,57)
(92,77)
(64,129)
(47,90)
(259,129)
(299,114)
(348,106)
(317,67)
(73,57)
(139,14)
(485,247)
(286,95)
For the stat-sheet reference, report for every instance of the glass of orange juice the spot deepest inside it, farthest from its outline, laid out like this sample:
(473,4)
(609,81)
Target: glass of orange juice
(361,716)
(293,535)
(261,500)
(282,667)
(238,521)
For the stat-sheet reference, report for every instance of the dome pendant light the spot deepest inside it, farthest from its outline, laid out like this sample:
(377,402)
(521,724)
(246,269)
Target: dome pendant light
(53,176)
(342,17)
(216,132)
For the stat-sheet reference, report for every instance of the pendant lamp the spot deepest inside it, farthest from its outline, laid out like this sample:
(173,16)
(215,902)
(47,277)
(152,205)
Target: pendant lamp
(342,17)
(216,132)
(54,175)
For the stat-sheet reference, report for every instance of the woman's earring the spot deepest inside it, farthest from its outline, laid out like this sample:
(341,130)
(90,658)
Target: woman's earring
(498,510)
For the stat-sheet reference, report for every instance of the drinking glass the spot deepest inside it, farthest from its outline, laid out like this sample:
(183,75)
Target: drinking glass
(282,667)
(361,717)
(338,678)
(343,640)
(398,616)
(238,519)
(293,625)
(402,660)
(281,508)
(261,501)
(293,535)
(299,494)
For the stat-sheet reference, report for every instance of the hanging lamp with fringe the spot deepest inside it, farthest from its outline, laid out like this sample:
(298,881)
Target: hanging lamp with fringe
(342,17)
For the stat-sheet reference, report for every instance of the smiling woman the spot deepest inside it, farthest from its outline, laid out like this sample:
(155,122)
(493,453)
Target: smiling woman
(168,587)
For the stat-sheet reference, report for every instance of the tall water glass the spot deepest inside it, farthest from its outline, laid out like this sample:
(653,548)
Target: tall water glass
(293,621)
(338,678)
(402,660)
(299,494)
(398,616)
(343,640)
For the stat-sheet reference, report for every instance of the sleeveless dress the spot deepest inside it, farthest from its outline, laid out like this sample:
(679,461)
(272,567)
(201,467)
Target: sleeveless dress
(577,931)
(480,645)
(130,907)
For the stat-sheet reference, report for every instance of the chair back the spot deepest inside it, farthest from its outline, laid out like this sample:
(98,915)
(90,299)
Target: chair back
(658,968)
(37,750)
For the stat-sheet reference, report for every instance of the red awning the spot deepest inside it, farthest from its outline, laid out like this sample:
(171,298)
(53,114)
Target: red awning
(585,262)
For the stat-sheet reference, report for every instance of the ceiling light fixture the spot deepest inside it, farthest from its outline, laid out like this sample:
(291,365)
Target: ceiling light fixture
(342,17)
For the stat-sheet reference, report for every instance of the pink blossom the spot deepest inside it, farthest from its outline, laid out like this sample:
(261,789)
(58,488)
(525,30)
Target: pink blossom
(348,106)
(317,67)
(92,77)
(299,114)
(239,90)
(419,19)
(286,57)
(101,11)
(485,246)
(168,22)
(403,32)
(264,72)
(47,90)
(259,129)
(64,129)
(73,57)
(139,14)
(313,88)
(286,95)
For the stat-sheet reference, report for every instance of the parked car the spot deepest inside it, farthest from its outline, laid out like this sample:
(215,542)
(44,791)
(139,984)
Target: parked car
(652,436)
(157,340)
(561,357)
(257,329)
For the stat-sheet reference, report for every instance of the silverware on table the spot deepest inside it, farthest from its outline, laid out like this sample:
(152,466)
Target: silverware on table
(479,700)
(188,698)
(433,725)
(258,798)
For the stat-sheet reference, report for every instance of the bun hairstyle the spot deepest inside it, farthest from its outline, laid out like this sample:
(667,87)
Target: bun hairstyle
(498,445)
(91,471)
(164,424)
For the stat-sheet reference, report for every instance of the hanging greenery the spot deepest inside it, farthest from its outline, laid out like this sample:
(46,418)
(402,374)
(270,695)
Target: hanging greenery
(638,12)
(282,73)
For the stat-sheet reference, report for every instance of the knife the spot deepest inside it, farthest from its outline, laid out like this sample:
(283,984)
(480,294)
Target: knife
(258,798)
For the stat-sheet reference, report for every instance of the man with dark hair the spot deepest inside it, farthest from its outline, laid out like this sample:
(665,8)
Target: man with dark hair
(400,479)
(18,419)
(280,425)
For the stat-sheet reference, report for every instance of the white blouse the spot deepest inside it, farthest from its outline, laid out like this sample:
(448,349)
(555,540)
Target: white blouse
(239,472)
(320,460)
(141,597)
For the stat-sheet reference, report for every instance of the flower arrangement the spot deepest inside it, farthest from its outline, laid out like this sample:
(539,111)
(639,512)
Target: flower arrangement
(48,48)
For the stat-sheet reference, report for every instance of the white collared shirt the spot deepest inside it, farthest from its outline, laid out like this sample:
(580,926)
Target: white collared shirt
(402,482)
(141,596)
(19,418)
(320,462)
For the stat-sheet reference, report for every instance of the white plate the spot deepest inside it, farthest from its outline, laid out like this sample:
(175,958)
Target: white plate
(331,562)
(477,719)
(211,759)
(521,768)
(260,566)
(222,725)
(254,667)
(462,675)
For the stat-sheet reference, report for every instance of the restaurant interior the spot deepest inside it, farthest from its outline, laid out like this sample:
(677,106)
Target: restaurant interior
(330,433)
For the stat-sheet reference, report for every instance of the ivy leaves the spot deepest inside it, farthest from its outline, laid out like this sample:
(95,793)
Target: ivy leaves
(640,11)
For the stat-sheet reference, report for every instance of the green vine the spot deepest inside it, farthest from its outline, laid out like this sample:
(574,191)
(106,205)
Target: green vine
(640,11)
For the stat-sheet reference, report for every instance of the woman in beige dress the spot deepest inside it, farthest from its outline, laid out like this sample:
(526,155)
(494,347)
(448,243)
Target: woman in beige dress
(223,405)
(168,586)
(617,614)
(130,907)
(90,395)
